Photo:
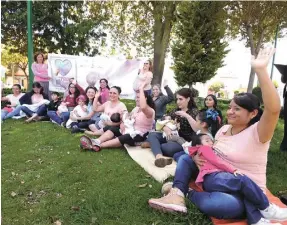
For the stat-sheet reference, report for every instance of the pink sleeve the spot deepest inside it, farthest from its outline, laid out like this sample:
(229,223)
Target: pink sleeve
(42,74)
(210,156)
(192,150)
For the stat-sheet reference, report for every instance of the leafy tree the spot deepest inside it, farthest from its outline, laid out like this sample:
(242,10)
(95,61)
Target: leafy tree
(199,48)
(146,25)
(14,61)
(59,26)
(256,22)
(216,86)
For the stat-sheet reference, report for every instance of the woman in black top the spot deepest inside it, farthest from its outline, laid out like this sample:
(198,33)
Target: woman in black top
(210,102)
(159,144)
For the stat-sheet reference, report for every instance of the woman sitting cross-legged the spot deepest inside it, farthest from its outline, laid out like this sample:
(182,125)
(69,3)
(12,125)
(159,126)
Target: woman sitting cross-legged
(34,103)
(244,144)
(81,122)
(14,108)
(114,105)
(161,146)
(143,115)
(61,116)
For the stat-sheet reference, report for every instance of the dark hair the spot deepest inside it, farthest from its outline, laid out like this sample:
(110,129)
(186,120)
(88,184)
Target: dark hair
(95,89)
(55,93)
(214,99)
(106,83)
(149,100)
(196,139)
(76,94)
(37,85)
(118,89)
(250,102)
(17,85)
(187,93)
(116,117)
(211,118)
(36,55)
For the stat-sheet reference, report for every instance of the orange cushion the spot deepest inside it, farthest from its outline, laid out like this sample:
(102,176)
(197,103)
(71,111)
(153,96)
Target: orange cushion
(269,195)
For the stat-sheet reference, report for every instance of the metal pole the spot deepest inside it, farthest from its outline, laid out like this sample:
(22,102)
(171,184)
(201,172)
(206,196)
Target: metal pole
(275,45)
(30,42)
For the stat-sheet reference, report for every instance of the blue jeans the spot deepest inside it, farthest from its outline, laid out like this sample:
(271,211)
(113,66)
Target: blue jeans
(253,197)
(159,145)
(6,115)
(58,119)
(42,110)
(216,204)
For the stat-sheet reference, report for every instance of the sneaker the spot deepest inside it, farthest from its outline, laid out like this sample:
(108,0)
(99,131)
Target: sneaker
(274,212)
(173,202)
(263,221)
(166,188)
(145,144)
(162,162)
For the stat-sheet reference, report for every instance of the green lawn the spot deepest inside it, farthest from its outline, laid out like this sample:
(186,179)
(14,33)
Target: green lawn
(46,178)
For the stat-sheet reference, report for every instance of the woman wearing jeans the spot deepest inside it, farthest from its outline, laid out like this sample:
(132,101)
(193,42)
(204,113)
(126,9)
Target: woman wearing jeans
(14,108)
(244,143)
(159,144)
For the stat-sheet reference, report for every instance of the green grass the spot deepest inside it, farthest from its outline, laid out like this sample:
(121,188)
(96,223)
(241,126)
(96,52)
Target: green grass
(53,180)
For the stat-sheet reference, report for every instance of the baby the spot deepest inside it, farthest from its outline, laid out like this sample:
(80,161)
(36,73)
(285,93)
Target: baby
(79,111)
(129,121)
(115,118)
(236,183)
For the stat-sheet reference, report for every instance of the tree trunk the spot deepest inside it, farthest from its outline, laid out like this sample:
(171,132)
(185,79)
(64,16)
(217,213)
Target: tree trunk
(163,14)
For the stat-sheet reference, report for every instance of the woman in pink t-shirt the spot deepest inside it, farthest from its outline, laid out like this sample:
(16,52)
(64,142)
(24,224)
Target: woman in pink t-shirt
(243,143)
(40,71)
(104,90)
(143,115)
(114,105)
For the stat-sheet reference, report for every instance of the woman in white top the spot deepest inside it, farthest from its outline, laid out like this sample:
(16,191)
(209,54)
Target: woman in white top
(11,109)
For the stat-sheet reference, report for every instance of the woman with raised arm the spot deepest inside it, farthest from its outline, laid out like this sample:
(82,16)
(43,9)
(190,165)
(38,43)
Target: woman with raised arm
(161,100)
(142,116)
(244,143)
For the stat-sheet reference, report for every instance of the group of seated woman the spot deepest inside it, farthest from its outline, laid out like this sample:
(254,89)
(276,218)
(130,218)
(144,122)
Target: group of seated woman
(242,145)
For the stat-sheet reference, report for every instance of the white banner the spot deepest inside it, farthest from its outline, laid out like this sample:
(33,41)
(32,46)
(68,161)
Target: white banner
(89,70)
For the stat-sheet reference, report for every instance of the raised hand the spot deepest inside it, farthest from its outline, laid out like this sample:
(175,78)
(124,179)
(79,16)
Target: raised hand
(262,59)
(165,82)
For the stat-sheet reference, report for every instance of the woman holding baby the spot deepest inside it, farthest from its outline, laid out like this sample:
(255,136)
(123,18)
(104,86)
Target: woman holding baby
(160,145)
(244,144)
(142,117)
(110,110)
(62,115)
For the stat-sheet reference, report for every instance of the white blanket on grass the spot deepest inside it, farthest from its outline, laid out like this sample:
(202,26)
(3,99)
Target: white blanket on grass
(145,158)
